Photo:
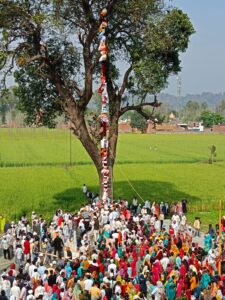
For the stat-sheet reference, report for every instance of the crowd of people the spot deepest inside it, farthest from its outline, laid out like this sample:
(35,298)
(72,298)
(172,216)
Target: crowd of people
(112,251)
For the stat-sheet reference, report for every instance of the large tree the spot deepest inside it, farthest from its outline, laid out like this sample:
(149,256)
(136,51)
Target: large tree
(210,118)
(54,46)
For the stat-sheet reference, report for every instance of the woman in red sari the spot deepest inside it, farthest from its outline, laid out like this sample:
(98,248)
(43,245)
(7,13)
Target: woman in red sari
(26,250)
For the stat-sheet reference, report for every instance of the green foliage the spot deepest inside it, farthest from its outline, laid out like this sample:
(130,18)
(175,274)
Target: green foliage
(165,37)
(159,118)
(54,45)
(138,121)
(36,98)
(210,118)
(95,104)
(191,111)
(213,154)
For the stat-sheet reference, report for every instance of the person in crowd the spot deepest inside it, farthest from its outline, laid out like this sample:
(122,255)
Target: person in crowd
(184,205)
(84,189)
(197,226)
(111,250)
(5,247)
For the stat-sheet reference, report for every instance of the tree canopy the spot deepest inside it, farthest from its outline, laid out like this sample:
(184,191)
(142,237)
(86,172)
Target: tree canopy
(51,48)
(191,112)
(138,121)
(210,118)
(54,45)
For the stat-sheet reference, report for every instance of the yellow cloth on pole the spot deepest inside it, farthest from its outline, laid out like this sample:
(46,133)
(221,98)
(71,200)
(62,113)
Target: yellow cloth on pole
(2,224)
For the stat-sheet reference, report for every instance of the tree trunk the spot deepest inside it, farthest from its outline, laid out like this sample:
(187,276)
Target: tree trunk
(113,138)
(111,182)
(79,127)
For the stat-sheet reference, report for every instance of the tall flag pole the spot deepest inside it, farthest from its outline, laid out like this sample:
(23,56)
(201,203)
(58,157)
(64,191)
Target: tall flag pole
(103,49)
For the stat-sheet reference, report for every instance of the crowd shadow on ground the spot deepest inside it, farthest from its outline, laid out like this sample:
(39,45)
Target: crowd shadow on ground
(73,198)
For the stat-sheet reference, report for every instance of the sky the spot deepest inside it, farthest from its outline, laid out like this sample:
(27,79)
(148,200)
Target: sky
(203,64)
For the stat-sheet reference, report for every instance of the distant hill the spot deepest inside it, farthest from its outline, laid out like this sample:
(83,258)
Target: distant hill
(210,98)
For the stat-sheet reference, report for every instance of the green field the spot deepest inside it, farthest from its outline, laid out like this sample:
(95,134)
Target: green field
(34,172)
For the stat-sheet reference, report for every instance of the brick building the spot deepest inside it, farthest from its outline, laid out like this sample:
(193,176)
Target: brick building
(219,128)
(125,127)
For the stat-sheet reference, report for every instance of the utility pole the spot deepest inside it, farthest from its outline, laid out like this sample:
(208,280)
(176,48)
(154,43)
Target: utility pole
(70,143)
(179,89)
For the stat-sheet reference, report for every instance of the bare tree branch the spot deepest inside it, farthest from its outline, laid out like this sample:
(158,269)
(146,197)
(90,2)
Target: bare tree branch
(75,86)
(144,114)
(125,81)
(88,12)
(137,107)
(81,38)
(7,72)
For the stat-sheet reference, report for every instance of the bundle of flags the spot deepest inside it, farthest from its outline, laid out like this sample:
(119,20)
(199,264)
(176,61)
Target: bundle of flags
(104,100)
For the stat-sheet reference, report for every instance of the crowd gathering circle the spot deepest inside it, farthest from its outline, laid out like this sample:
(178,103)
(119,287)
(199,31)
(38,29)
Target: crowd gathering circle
(112,251)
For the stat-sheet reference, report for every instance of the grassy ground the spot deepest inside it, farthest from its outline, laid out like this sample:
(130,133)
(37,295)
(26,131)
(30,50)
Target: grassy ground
(34,171)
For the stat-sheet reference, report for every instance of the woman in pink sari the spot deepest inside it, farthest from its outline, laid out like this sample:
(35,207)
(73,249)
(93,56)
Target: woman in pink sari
(48,289)
(180,286)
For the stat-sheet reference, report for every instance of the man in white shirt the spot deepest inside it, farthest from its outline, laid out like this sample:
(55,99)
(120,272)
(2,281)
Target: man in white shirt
(6,285)
(112,267)
(31,269)
(176,218)
(164,262)
(88,282)
(175,227)
(135,204)
(183,222)
(147,205)
(15,292)
(152,220)
(30,295)
(39,291)
(5,246)
(18,255)
(212,259)
(84,189)
(157,225)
